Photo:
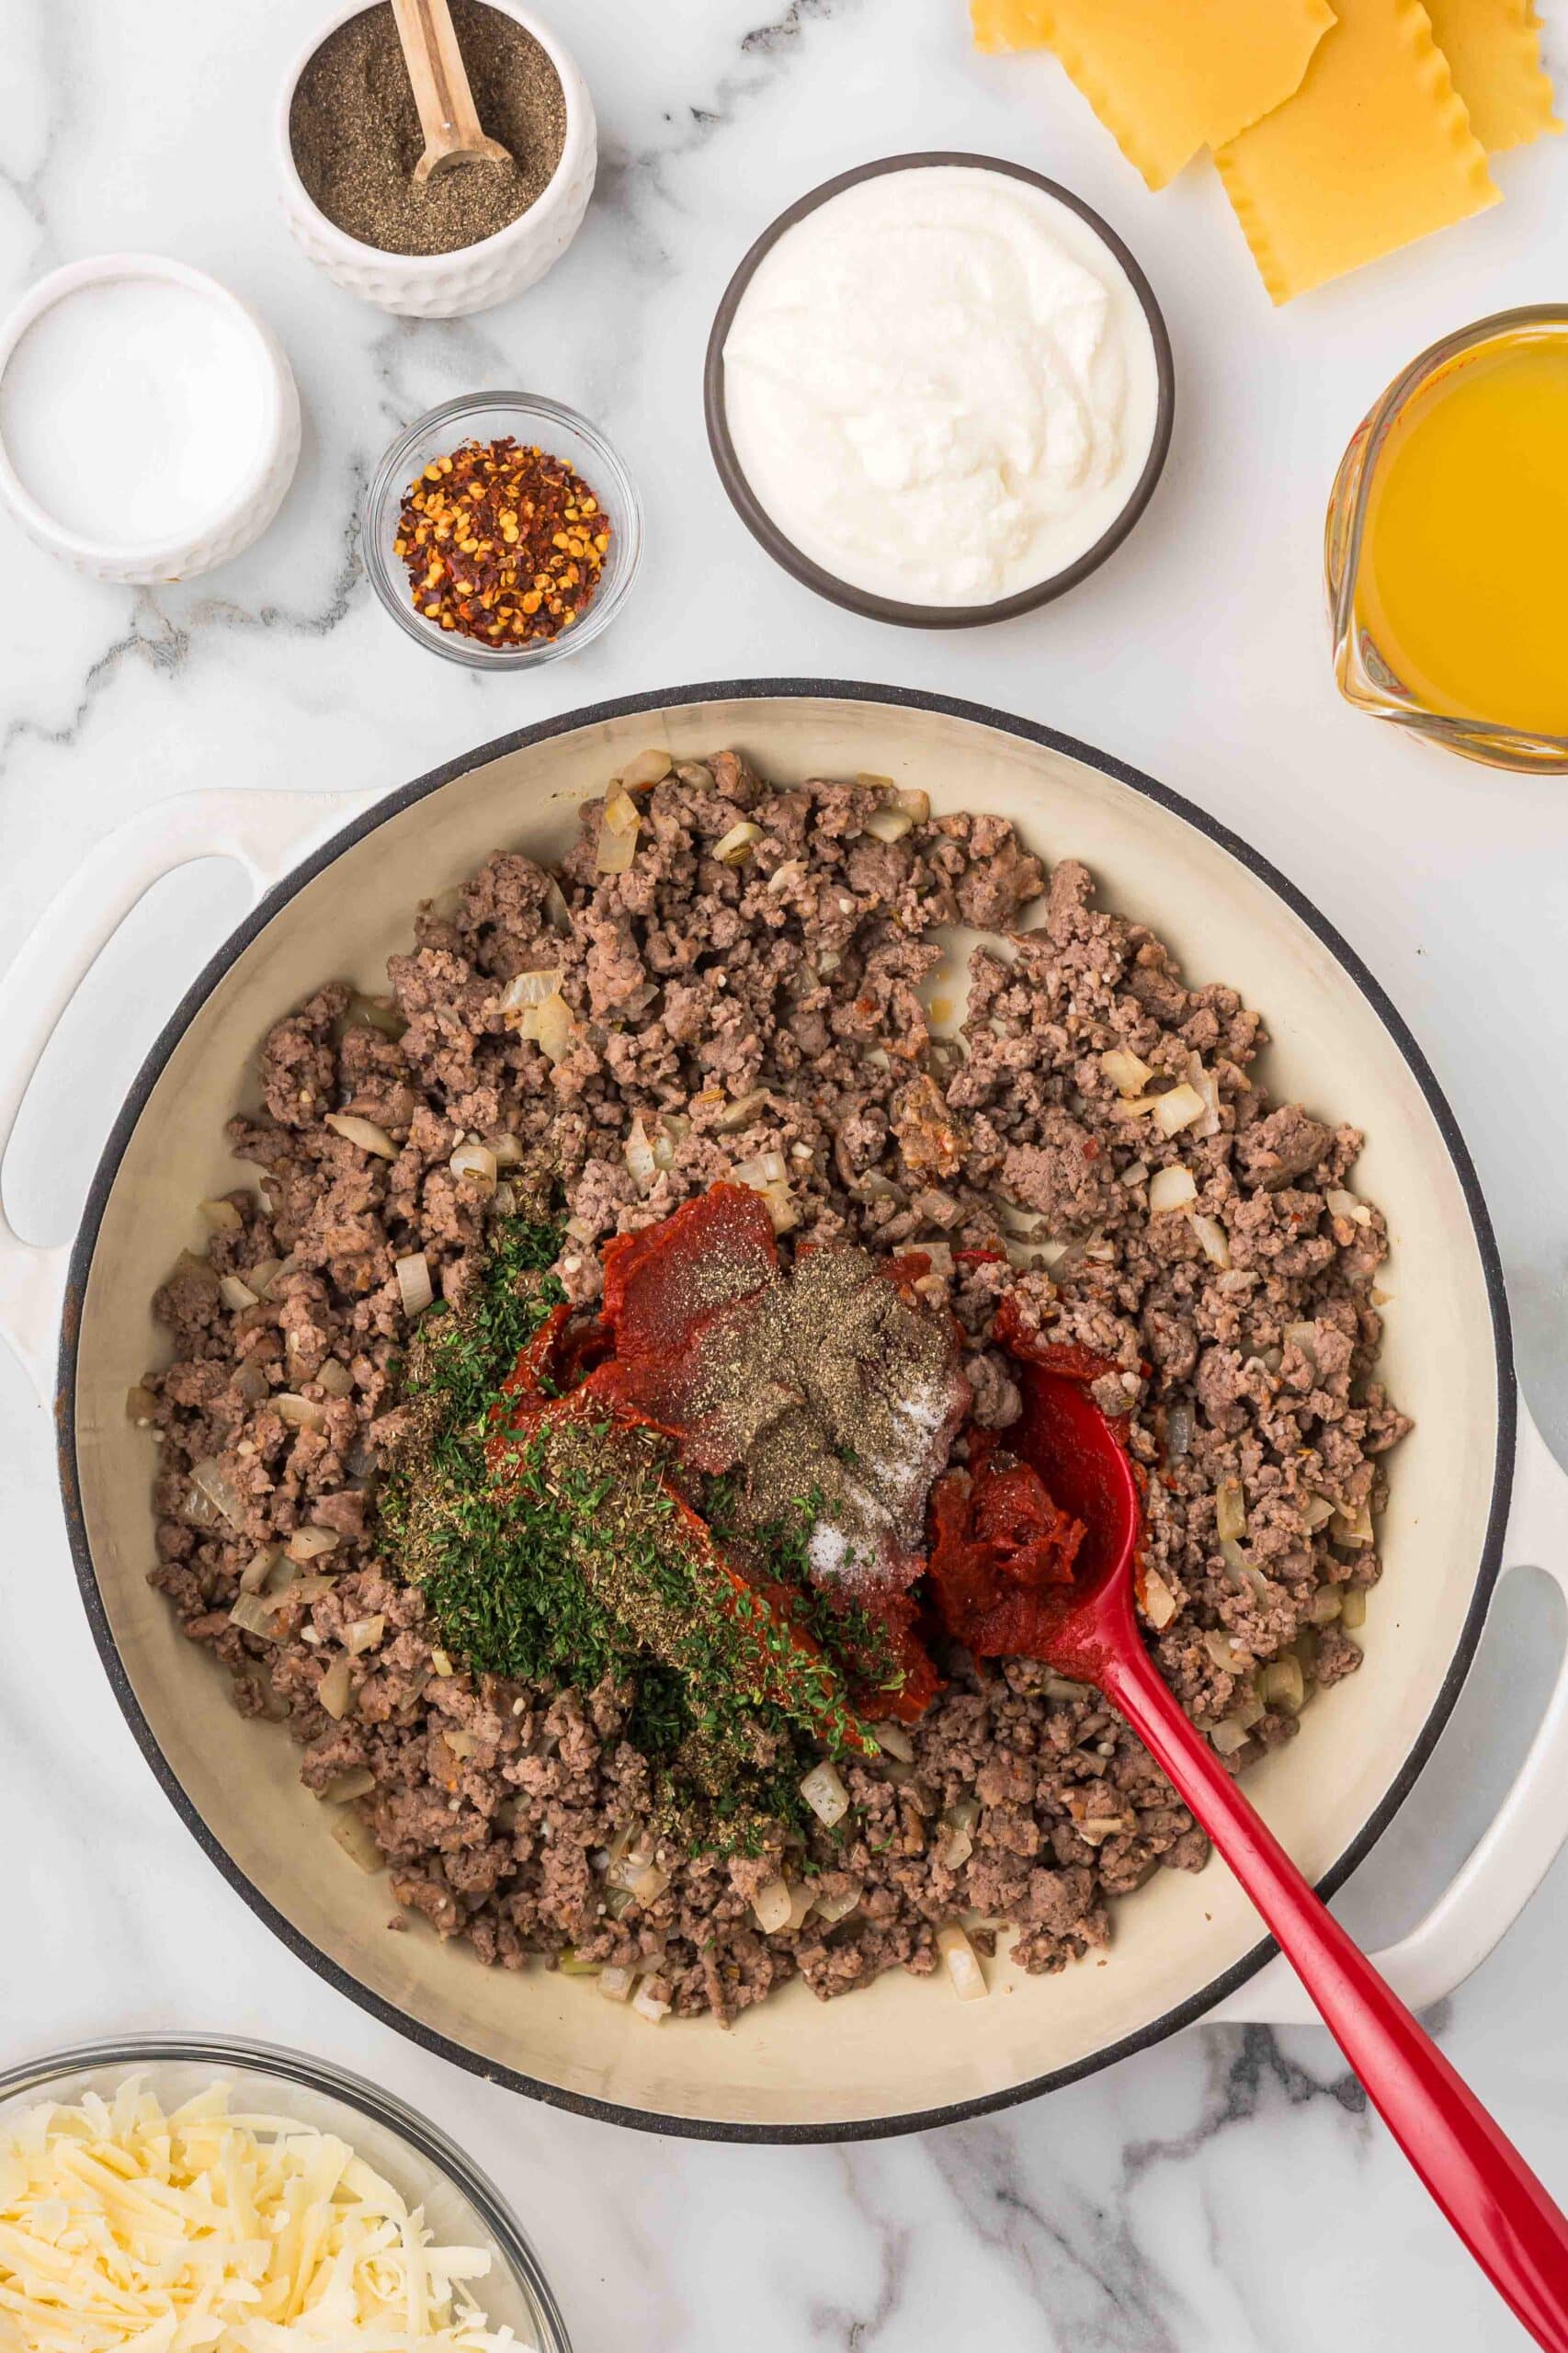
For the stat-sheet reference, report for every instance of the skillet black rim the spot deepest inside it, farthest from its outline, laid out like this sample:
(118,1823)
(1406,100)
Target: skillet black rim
(1183,2014)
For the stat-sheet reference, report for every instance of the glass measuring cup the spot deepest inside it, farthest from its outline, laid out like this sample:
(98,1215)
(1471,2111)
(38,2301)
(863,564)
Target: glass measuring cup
(1364,671)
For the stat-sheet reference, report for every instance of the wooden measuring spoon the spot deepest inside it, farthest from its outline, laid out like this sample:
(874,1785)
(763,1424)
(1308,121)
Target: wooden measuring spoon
(1483,2185)
(448,116)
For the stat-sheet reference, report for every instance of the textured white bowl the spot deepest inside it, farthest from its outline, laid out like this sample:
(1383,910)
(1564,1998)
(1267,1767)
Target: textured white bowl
(474,277)
(244,517)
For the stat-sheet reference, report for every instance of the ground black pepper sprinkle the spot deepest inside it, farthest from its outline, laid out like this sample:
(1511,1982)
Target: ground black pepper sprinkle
(503,543)
(355,133)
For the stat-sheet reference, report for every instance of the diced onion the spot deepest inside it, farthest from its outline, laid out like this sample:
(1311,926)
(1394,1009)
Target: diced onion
(263,1275)
(311,1543)
(222,1216)
(300,1412)
(639,1157)
(1171,1188)
(1230,1508)
(364,1633)
(557,914)
(617,844)
(890,825)
(912,801)
(801,1901)
(1282,1685)
(1135,1173)
(1238,1568)
(1126,1072)
(475,1161)
(825,1793)
(1179,1429)
(1176,1109)
(1353,1528)
(234,1293)
(1213,1239)
(1159,1601)
(1352,1608)
(649,2005)
(957,1843)
(1207,1087)
(335,1379)
(963,1962)
(648,767)
(530,988)
(616,1983)
(334,1689)
(460,1742)
(772,1905)
(1343,1204)
(1317,1511)
(1306,1337)
(414,1287)
(555,1029)
(357,1782)
(733,847)
(252,1616)
(896,1741)
(211,1479)
(371,1013)
(257,1572)
(353,1835)
(140,1405)
(838,1907)
(788,874)
(364,1132)
(742,1113)
(1228,1736)
(1223,1653)
(649,1883)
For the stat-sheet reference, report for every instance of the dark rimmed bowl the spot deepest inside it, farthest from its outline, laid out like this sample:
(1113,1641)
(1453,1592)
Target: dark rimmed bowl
(900,2054)
(784,551)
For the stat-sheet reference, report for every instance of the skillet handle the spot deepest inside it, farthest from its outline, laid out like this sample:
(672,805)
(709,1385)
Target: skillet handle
(1517,1849)
(264,831)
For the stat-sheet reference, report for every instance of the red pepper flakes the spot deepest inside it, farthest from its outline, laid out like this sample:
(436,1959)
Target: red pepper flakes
(503,543)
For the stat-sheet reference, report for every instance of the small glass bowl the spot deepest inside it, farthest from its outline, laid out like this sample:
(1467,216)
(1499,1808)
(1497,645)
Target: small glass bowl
(462,2208)
(1363,673)
(528,418)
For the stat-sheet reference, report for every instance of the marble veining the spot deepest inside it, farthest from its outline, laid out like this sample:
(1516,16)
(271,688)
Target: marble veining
(1228,2190)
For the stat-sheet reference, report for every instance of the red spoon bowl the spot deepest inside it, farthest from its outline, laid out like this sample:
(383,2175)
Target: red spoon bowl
(1504,2214)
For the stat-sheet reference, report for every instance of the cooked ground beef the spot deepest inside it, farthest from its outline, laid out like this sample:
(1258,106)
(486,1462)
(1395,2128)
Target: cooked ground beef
(773,1006)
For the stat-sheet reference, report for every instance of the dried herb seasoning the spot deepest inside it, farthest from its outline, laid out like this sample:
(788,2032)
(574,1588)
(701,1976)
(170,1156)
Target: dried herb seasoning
(354,130)
(502,543)
(578,1564)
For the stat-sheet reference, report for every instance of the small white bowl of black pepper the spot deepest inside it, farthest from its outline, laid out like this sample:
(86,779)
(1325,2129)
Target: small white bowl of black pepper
(465,239)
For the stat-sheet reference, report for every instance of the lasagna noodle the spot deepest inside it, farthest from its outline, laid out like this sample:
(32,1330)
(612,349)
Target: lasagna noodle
(1494,52)
(1374,150)
(1166,79)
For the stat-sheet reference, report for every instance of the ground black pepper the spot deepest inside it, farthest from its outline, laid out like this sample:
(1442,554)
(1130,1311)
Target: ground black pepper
(355,133)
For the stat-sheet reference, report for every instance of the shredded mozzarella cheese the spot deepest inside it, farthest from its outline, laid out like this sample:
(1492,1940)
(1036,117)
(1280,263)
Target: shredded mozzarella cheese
(202,2231)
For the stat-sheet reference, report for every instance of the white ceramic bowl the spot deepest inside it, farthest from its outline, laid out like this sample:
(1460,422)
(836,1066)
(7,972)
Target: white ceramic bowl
(244,517)
(474,277)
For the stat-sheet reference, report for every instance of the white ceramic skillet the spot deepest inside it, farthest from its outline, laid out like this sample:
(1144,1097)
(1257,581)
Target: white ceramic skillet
(903,2054)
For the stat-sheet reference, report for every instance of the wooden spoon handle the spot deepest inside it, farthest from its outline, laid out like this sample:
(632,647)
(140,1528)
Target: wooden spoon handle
(1503,2213)
(447,115)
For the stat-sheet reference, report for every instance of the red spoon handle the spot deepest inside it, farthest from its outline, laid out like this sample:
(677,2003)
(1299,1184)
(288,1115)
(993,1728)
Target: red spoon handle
(1483,2185)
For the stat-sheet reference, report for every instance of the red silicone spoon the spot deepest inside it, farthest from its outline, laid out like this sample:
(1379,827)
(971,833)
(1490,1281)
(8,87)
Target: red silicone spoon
(1483,2185)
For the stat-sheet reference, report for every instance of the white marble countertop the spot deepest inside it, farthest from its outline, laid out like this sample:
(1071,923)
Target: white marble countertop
(1228,2190)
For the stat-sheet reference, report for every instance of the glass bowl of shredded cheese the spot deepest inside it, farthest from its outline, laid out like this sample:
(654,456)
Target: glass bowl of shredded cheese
(176,2194)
